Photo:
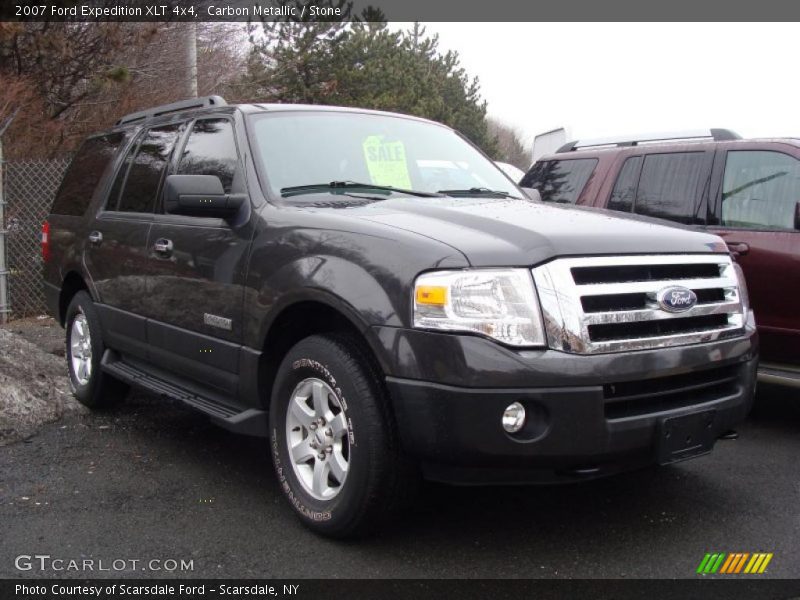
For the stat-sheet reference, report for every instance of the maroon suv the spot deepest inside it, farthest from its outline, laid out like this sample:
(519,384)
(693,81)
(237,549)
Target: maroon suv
(747,191)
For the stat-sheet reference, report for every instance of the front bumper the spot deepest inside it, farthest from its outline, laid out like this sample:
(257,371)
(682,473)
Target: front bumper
(580,425)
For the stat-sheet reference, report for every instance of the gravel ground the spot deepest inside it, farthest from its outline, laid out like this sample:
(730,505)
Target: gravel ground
(153,480)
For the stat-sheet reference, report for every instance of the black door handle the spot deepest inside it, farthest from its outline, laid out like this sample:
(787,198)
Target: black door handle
(96,238)
(163,247)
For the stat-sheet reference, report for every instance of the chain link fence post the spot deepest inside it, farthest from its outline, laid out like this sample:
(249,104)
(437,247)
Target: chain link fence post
(4,307)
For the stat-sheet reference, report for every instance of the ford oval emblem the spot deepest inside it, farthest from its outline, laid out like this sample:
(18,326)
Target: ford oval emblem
(676,299)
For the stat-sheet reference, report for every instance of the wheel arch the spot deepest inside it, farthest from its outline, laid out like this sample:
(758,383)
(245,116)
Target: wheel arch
(72,284)
(306,314)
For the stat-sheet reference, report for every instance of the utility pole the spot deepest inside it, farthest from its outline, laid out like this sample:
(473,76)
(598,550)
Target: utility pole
(191,59)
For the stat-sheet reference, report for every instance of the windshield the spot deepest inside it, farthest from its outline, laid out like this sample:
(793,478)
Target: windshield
(317,148)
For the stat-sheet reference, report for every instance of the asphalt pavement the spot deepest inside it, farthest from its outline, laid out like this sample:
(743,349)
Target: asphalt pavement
(153,480)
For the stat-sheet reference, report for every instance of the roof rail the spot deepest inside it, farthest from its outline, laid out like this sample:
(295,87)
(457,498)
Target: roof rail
(718,135)
(157,111)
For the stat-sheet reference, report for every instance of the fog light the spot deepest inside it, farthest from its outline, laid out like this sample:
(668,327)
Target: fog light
(514,417)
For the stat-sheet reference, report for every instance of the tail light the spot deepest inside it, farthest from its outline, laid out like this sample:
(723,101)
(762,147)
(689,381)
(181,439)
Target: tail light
(46,241)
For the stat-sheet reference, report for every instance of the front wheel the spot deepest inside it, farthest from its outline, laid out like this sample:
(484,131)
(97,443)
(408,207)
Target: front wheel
(334,445)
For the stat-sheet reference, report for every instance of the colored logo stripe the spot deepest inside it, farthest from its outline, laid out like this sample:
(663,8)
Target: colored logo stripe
(710,563)
(734,563)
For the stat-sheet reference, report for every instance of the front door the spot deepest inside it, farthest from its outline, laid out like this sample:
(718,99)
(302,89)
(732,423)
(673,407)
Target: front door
(757,209)
(197,270)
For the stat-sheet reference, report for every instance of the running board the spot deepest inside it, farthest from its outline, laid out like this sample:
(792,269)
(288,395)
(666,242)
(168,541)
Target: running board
(250,421)
(778,374)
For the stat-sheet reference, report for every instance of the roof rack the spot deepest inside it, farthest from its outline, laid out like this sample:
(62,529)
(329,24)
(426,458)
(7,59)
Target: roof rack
(718,135)
(201,102)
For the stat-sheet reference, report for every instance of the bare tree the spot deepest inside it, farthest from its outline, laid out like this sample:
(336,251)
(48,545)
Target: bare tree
(70,79)
(509,145)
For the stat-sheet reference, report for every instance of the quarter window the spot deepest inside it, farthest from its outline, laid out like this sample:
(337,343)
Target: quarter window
(760,190)
(560,180)
(669,186)
(85,172)
(211,150)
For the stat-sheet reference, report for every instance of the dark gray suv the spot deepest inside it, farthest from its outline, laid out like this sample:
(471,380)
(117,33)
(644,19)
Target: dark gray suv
(371,292)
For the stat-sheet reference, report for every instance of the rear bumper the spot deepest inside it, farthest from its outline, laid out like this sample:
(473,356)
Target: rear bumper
(578,427)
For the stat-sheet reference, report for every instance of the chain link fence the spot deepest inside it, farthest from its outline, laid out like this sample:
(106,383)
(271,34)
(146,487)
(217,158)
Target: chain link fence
(29,187)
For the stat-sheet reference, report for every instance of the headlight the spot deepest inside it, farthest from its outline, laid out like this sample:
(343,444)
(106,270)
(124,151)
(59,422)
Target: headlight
(498,303)
(743,295)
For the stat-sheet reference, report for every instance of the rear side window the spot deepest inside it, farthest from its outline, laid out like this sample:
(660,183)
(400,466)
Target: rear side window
(625,187)
(211,150)
(560,180)
(85,172)
(145,171)
(760,190)
(669,186)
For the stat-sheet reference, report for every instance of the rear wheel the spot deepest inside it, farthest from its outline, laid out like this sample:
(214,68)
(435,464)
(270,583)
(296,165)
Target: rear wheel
(85,349)
(334,445)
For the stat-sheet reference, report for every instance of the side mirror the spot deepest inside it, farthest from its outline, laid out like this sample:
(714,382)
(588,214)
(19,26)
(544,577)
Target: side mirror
(200,196)
(532,194)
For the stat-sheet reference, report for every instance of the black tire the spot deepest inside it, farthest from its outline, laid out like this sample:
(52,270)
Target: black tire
(379,480)
(100,390)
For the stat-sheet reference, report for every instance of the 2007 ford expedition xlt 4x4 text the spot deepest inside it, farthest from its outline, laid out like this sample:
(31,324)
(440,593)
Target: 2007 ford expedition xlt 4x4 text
(372,293)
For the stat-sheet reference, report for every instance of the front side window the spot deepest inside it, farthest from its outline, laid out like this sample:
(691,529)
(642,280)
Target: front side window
(317,148)
(669,186)
(210,150)
(560,180)
(145,171)
(85,172)
(760,190)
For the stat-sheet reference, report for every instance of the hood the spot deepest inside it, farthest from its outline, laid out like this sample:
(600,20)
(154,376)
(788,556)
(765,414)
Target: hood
(494,232)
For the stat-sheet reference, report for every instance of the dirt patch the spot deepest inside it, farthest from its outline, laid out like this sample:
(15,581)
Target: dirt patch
(33,381)
(42,331)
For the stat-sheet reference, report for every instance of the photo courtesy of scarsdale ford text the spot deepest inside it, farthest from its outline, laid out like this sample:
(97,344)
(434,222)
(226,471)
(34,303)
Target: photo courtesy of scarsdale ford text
(98,590)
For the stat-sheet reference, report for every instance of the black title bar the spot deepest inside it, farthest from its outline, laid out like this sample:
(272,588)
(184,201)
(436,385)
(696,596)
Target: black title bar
(399,10)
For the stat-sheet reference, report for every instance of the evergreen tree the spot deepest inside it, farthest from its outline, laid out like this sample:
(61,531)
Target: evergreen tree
(364,63)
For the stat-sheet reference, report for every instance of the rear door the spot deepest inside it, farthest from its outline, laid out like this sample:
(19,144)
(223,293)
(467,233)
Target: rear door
(116,250)
(756,210)
(197,268)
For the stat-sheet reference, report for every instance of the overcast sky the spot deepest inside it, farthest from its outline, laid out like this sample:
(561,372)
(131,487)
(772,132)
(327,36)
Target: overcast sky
(610,79)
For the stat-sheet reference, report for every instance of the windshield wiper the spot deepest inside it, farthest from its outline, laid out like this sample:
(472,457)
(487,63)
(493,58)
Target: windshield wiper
(478,191)
(296,190)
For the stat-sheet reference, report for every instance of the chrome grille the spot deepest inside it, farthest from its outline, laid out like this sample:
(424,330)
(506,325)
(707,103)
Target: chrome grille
(608,304)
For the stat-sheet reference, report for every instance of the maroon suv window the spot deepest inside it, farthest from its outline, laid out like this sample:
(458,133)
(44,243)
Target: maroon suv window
(760,190)
(625,187)
(560,180)
(669,186)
